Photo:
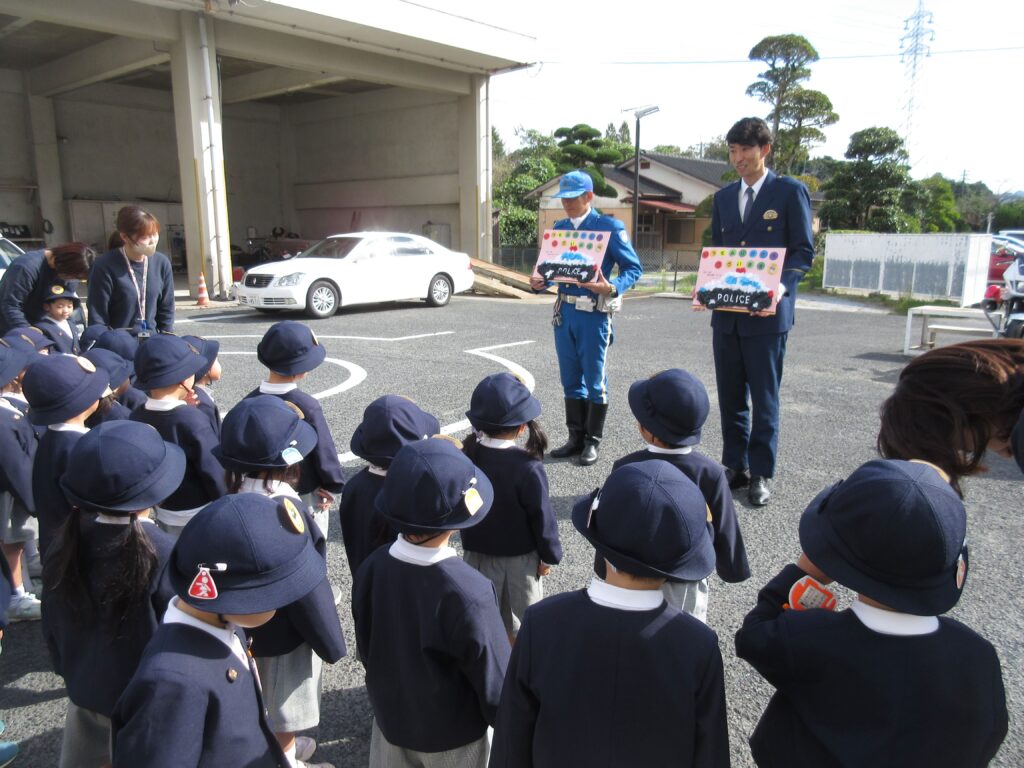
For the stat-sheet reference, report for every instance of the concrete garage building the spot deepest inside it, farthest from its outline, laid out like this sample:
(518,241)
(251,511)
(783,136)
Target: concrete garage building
(229,119)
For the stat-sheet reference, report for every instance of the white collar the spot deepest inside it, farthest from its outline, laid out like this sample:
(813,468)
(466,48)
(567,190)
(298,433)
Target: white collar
(162,405)
(416,555)
(6,403)
(682,450)
(65,427)
(373,469)
(174,615)
(16,396)
(610,596)
(576,222)
(756,186)
(277,389)
(892,622)
(116,520)
(494,442)
(277,487)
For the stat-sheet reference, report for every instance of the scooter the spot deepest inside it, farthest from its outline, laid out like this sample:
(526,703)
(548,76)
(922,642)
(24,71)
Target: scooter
(1004,306)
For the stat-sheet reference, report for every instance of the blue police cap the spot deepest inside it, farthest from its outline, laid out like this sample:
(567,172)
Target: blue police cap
(574,184)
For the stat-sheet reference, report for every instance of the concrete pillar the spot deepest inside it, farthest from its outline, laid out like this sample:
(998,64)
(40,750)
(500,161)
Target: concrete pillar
(50,193)
(197,118)
(475,171)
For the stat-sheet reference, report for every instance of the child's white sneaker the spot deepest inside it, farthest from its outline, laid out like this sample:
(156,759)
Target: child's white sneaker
(26,607)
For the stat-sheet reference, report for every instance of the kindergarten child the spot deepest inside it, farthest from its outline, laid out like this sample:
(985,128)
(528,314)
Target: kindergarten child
(263,442)
(888,681)
(166,367)
(427,627)
(59,304)
(62,391)
(106,582)
(614,675)
(290,350)
(124,344)
(518,542)
(120,372)
(206,377)
(17,505)
(389,422)
(671,408)
(195,699)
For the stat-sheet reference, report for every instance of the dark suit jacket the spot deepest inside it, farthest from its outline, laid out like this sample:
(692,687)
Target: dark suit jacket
(790,228)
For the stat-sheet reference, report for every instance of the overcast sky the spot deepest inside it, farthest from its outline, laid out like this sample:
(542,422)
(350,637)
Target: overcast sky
(690,59)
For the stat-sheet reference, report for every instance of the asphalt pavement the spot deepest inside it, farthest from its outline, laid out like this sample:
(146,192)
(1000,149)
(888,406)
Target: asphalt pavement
(841,362)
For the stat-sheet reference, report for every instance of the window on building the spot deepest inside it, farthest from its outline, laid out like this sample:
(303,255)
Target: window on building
(645,222)
(679,231)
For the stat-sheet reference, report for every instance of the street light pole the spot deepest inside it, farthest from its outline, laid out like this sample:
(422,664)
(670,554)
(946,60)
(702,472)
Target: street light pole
(638,113)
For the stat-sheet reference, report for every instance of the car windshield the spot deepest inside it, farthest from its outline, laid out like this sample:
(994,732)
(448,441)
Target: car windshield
(8,253)
(331,248)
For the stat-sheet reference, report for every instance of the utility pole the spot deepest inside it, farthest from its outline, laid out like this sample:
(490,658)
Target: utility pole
(638,112)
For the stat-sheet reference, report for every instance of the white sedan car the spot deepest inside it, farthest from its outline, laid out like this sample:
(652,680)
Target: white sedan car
(357,268)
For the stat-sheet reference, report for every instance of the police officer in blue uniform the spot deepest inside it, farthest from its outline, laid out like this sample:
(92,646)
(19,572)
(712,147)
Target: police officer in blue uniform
(583,320)
(749,349)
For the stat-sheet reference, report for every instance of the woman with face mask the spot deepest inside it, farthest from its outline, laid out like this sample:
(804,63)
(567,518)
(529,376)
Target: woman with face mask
(132,286)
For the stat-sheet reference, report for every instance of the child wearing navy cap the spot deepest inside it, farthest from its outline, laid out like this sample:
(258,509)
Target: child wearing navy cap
(195,699)
(166,367)
(17,505)
(62,391)
(389,423)
(31,339)
(671,408)
(427,625)
(106,579)
(888,681)
(263,442)
(290,351)
(124,344)
(614,674)
(120,372)
(518,542)
(59,303)
(206,377)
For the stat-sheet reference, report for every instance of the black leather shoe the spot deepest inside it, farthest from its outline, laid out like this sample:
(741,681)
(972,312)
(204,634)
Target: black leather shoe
(740,479)
(759,493)
(589,454)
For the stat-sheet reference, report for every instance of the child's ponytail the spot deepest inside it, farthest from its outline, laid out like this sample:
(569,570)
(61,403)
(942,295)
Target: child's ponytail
(64,570)
(470,445)
(537,442)
(127,586)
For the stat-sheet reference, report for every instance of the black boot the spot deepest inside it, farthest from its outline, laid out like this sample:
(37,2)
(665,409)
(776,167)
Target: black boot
(576,422)
(595,431)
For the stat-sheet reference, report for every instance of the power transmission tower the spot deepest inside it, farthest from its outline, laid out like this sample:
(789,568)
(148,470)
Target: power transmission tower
(914,47)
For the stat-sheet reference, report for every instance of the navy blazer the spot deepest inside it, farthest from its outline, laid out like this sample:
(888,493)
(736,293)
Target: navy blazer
(52,457)
(22,289)
(620,251)
(849,696)
(95,661)
(189,429)
(709,476)
(363,529)
(67,344)
(18,444)
(320,468)
(209,407)
(114,412)
(520,520)
(113,301)
(434,648)
(133,398)
(590,685)
(789,228)
(192,704)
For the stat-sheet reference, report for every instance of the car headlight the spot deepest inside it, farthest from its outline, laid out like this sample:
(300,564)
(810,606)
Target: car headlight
(292,279)
(1019,286)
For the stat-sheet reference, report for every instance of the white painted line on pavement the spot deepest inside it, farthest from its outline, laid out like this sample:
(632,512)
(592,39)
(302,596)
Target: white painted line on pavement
(524,375)
(207,318)
(350,338)
(356,374)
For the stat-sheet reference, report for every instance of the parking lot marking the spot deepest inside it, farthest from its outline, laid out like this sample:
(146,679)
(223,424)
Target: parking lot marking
(356,374)
(350,338)
(207,318)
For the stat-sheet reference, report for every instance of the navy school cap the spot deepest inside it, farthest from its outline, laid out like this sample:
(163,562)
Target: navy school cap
(244,554)
(895,531)
(58,289)
(118,340)
(165,359)
(91,335)
(501,401)
(118,369)
(290,348)
(30,335)
(574,184)
(13,360)
(208,348)
(59,387)
(649,520)
(263,432)
(432,487)
(671,405)
(120,467)
(390,422)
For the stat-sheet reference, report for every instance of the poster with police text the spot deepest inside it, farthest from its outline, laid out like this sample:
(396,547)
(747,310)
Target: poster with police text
(570,256)
(739,279)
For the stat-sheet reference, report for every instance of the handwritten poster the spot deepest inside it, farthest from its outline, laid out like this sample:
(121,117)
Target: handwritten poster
(570,256)
(739,279)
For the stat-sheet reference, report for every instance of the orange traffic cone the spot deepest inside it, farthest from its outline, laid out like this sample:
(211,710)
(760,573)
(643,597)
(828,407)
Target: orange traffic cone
(202,298)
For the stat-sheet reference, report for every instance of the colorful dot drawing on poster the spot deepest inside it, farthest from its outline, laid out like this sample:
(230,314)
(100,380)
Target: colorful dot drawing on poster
(739,279)
(570,256)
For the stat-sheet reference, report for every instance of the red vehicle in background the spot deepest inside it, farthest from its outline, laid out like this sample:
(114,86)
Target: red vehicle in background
(1005,250)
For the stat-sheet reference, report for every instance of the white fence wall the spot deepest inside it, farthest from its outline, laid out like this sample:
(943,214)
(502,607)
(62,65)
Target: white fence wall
(941,266)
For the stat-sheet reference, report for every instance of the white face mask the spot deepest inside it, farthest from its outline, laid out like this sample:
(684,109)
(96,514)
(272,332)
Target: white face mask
(143,250)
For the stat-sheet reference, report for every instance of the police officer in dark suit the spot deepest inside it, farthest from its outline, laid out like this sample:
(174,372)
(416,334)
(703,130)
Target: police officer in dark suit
(761,209)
